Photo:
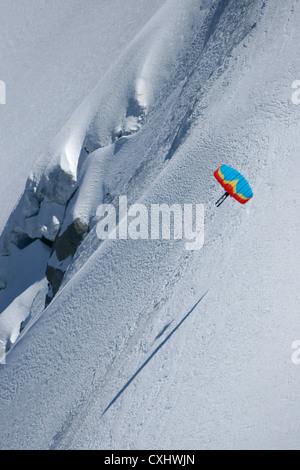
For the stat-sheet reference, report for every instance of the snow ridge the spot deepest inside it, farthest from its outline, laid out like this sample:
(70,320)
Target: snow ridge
(170,112)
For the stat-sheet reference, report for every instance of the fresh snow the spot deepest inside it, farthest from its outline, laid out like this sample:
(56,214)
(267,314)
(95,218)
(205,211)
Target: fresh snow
(126,356)
(52,56)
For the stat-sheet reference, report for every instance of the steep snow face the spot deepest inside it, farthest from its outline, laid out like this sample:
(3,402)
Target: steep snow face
(68,182)
(221,93)
(52,56)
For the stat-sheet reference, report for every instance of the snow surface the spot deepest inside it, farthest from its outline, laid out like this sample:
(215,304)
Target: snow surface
(52,55)
(196,88)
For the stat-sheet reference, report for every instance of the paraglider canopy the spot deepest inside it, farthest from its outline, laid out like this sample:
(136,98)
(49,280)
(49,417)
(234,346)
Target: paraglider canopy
(234,184)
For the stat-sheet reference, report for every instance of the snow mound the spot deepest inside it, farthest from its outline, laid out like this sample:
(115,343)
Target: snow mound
(197,88)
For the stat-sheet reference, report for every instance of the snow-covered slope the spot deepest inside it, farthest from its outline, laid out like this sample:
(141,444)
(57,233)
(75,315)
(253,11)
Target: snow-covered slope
(196,88)
(66,50)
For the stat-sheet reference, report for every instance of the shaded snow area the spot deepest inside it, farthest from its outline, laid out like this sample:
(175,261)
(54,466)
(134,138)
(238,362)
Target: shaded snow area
(143,344)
